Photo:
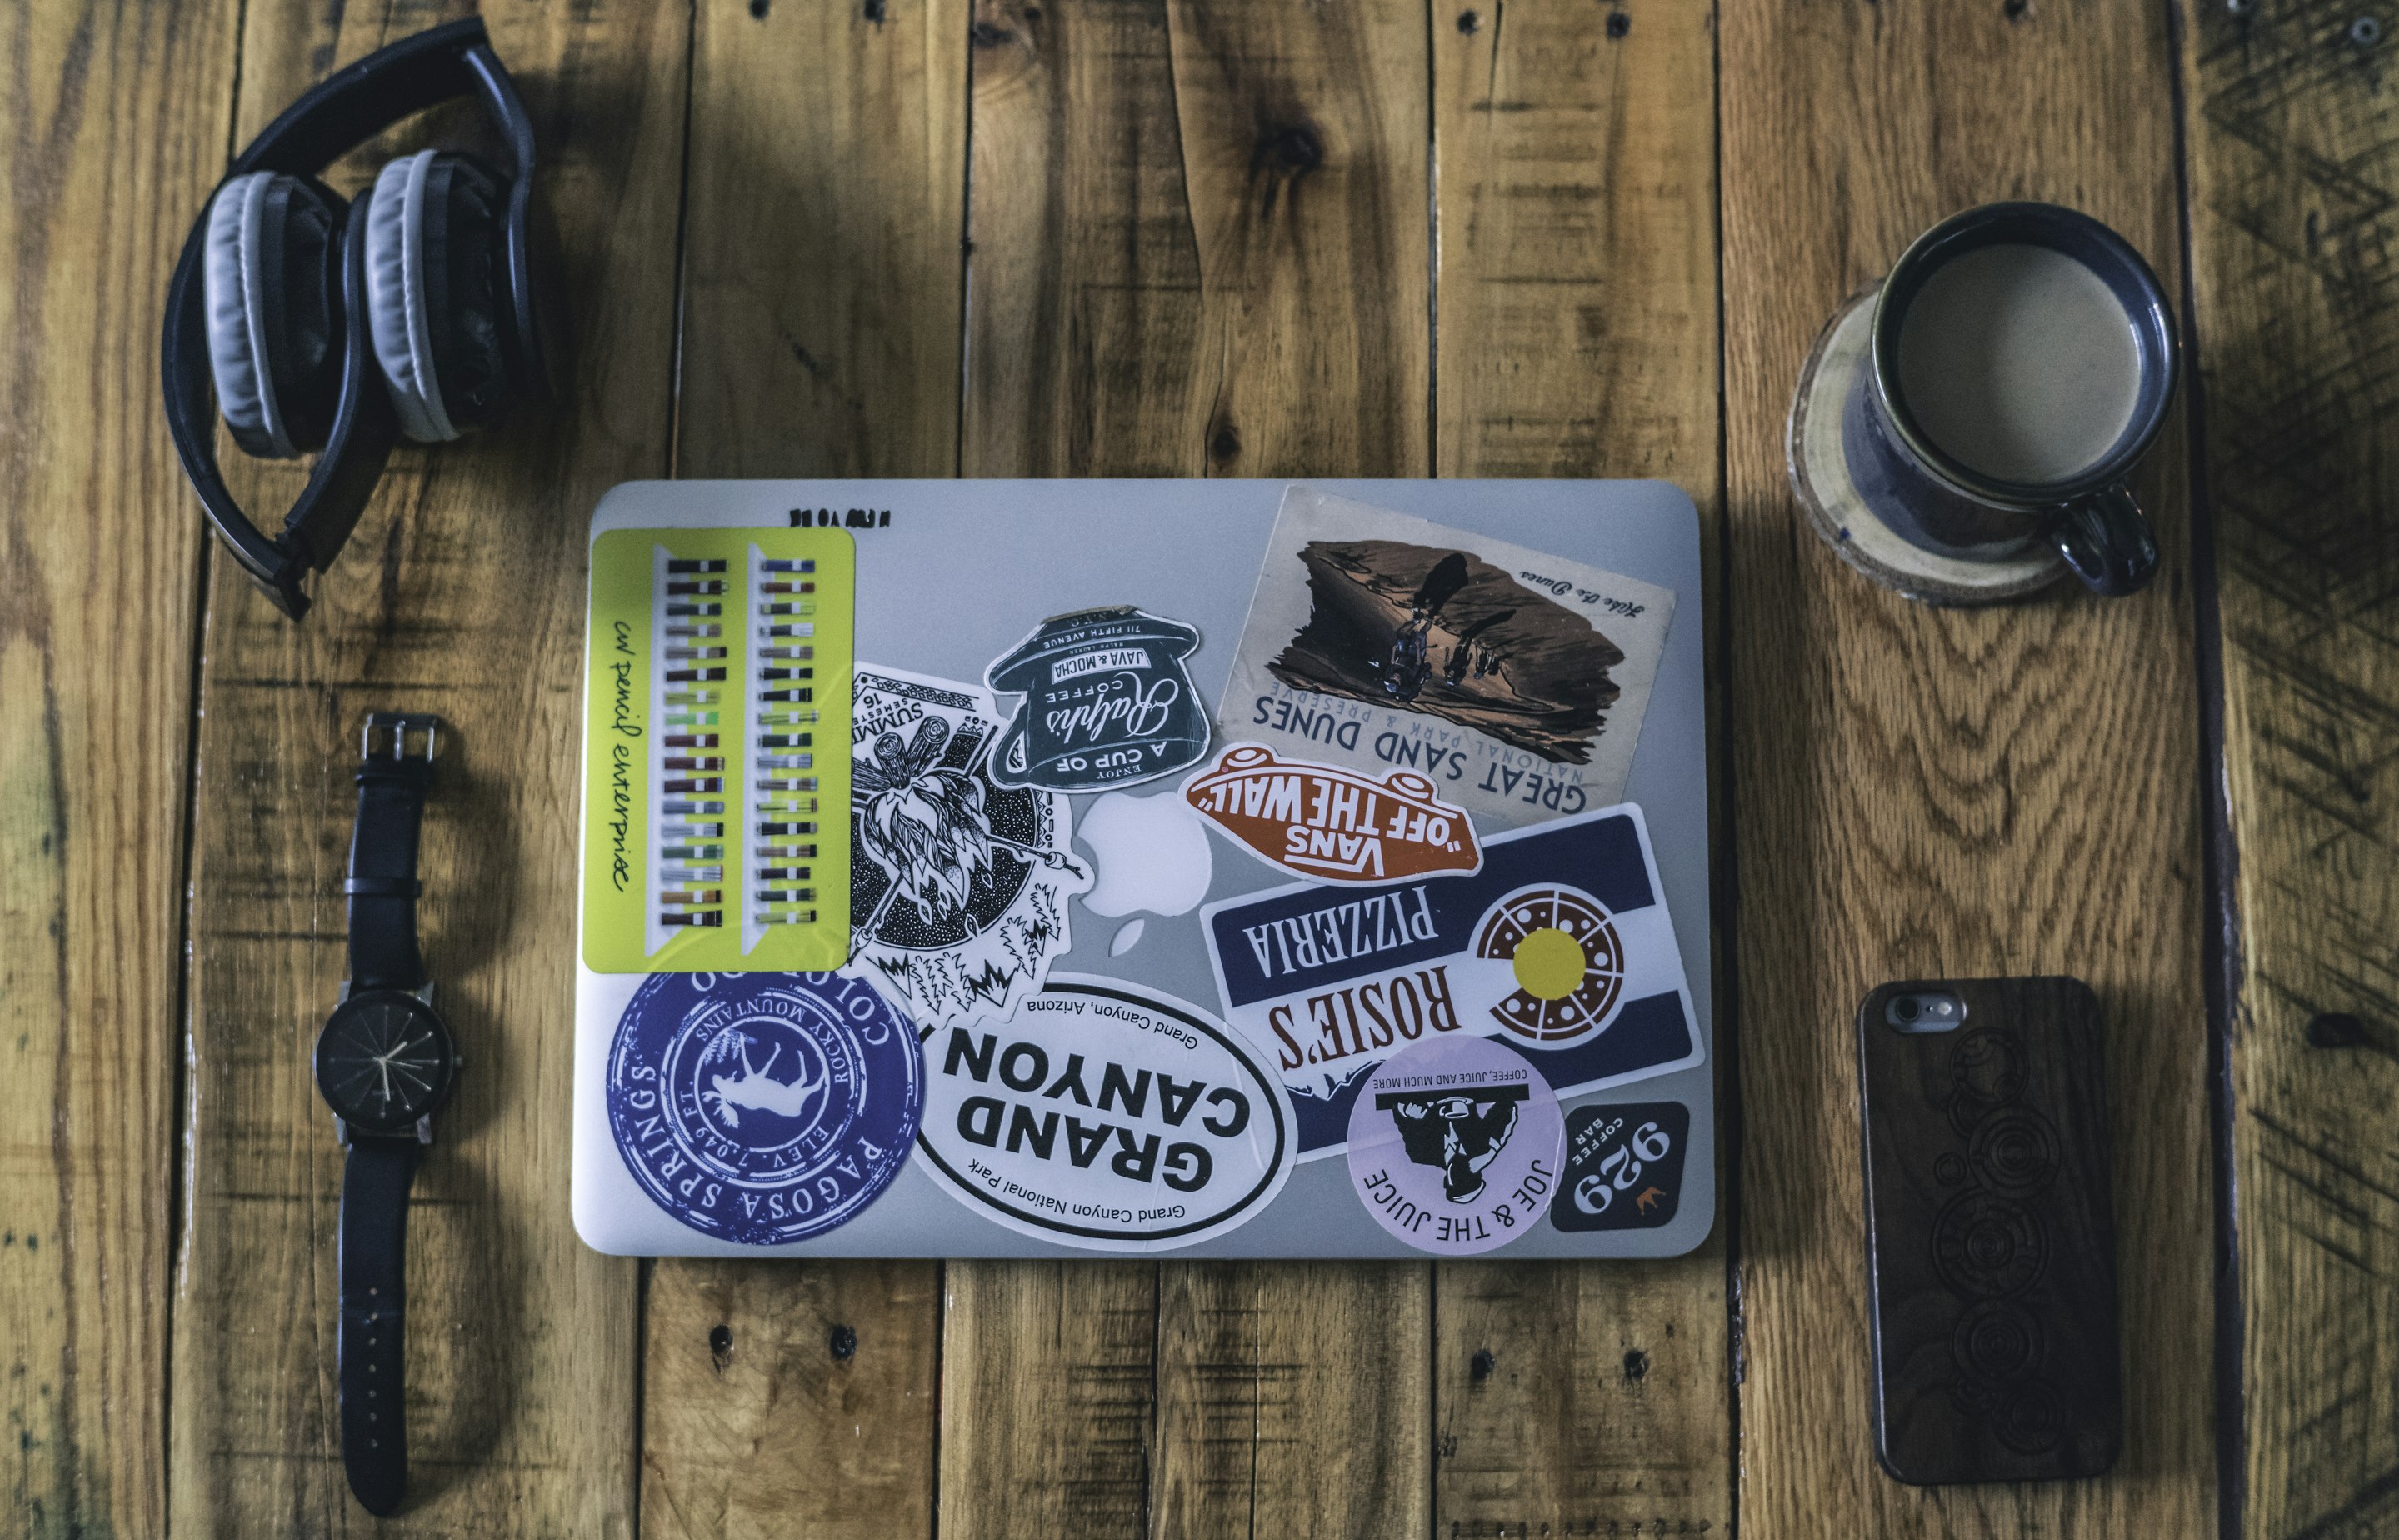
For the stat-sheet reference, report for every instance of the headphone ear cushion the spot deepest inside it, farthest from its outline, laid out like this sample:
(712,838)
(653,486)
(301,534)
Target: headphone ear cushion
(434,265)
(398,306)
(465,219)
(267,278)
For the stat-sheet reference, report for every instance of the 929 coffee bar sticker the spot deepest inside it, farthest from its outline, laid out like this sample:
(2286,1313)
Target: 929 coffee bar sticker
(1105,1117)
(1624,1167)
(1560,947)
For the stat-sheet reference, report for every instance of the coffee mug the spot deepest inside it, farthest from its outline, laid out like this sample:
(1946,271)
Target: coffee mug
(2021,362)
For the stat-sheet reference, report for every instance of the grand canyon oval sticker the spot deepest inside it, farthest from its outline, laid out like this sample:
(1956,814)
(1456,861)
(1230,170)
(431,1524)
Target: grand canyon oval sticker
(1330,823)
(1105,1116)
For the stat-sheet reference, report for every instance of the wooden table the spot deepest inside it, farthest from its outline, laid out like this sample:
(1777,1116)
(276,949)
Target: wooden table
(1259,237)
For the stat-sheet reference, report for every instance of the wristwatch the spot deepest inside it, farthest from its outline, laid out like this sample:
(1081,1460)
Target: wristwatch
(384,1062)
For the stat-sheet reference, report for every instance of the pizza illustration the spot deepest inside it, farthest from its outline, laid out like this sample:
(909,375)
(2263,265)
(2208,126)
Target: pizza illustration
(1568,960)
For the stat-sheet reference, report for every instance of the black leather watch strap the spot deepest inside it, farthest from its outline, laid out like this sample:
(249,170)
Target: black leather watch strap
(383,885)
(370,1348)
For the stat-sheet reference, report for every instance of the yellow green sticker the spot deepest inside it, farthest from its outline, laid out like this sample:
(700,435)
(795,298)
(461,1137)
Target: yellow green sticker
(716,752)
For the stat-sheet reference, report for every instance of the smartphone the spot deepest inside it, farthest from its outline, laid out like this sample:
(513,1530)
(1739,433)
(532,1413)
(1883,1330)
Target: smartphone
(1990,1236)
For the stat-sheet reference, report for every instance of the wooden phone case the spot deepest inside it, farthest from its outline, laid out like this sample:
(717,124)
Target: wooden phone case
(1990,1240)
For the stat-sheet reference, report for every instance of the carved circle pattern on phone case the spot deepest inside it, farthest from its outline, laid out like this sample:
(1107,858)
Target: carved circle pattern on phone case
(1991,1241)
(1997,1341)
(1986,1068)
(2031,1418)
(2014,1151)
(1986,1246)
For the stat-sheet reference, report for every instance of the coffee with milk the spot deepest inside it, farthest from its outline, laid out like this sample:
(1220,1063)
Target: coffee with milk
(2019,362)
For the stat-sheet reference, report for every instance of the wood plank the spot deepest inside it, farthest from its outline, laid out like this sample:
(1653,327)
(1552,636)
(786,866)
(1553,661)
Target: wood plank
(118,131)
(822,260)
(1196,239)
(462,593)
(1923,792)
(2291,134)
(1578,315)
(821,332)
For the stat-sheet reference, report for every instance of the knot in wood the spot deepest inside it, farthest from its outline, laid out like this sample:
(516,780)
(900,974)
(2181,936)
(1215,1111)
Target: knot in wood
(1295,149)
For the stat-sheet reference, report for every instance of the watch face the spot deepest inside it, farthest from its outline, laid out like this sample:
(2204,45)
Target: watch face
(383,1060)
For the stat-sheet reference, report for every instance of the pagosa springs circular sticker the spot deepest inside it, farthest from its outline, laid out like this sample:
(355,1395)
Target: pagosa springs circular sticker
(1454,1145)
(763,1107)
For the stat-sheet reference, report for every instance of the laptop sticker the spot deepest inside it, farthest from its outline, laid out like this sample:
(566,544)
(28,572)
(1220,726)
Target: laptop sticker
(1105,1117)
(1454,1145)
(958,886)
(1107,702)
(1515,680)
(1330,823)
(763,1108)
(1560,948)
(1623,1166)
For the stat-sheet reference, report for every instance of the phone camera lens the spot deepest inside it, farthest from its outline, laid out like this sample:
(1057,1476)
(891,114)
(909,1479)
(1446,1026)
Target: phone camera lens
(1907,1008)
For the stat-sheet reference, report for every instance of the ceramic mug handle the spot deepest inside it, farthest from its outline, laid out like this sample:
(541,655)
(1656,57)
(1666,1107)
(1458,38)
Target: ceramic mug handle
(2106,538)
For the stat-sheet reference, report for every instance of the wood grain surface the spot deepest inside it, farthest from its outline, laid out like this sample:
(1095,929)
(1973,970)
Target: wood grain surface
(1206,237)
(821,273)
(2291,136)
(1948,793)
(460,594)
(1190,225)
(115,124)
(1577,223)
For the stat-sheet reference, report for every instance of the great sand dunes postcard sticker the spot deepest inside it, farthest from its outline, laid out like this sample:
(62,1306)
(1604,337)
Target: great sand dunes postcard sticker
(1513,680)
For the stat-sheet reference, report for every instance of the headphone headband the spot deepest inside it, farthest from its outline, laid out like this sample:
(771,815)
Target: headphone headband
(342,111)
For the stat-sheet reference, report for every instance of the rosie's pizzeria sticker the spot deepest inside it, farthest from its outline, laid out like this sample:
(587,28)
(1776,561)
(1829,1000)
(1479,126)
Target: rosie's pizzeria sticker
(1103,1117)
(1560,946)
(1333,823)
(1107,702)
(1454,1145)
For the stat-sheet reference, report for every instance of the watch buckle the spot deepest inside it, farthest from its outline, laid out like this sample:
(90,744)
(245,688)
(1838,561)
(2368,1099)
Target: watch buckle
(400,724)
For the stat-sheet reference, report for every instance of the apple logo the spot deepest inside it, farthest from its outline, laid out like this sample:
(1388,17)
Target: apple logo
(1151,853)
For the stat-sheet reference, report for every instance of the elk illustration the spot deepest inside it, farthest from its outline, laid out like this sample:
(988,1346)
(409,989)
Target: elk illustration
(756,1092)
(924,825)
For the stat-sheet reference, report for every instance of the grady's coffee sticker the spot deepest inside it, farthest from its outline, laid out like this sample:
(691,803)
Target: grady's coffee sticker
(1454,1145)
(1107,702)
(1330,823)
(763,1108)
(1560,947)
(1106,1117)
(1624,1167)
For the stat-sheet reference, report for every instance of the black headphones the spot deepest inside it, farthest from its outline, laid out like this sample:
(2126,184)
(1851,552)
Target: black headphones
(340,326)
